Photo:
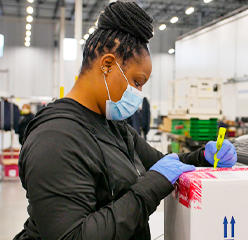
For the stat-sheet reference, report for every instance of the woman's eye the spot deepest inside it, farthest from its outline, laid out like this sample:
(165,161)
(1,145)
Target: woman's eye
(136,84)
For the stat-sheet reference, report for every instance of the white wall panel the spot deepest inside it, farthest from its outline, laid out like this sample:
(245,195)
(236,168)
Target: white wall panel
(156,88)
(220,51)
(30,68)
(242,47)
(217,51)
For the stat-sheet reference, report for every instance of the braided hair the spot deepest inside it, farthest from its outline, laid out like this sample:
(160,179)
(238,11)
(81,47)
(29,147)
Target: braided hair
(123,29)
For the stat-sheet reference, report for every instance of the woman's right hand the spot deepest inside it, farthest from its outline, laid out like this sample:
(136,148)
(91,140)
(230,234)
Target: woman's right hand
(171,167)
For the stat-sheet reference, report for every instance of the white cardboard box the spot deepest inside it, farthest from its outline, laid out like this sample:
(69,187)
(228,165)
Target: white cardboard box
(208,204)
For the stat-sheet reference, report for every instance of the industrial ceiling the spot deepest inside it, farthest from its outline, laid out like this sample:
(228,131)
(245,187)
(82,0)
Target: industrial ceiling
(161,10)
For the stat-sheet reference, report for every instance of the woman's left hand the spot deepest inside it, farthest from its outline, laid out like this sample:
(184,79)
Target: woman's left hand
(227,154)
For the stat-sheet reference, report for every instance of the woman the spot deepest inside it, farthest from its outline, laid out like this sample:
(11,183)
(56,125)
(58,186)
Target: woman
(26,117)
(85,170)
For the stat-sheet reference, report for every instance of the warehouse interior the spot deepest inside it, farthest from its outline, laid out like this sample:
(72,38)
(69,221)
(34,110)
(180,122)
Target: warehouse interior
(198,83)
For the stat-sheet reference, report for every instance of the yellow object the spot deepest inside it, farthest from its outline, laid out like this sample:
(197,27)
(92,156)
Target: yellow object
(220,140)
(61,92)
(76,78)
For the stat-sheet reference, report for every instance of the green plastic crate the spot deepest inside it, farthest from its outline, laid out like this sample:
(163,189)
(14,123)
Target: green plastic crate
(175,147)
(204,130)
(180,122)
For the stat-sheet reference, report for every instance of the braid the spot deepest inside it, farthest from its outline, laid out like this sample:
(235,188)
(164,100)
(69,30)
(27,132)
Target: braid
(123,29)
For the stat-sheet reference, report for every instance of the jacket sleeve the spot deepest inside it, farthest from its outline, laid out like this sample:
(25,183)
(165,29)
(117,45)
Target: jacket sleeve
(61,188)
(149,155)
(196,158)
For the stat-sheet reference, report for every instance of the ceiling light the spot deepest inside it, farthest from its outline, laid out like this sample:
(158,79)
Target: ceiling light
(30,1)
(162,27)
(29,19)
(28,26)
(91,30)
(27,39)
(27,44)
(174,20)
(207,1)
(86,36)
(171,51)
(28,33)
(189,10)
(82,42)
(30,10)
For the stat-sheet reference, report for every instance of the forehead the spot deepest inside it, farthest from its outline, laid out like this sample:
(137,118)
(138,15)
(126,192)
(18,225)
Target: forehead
(142,64)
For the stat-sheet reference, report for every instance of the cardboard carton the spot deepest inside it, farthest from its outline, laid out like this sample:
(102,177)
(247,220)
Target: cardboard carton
(208,204)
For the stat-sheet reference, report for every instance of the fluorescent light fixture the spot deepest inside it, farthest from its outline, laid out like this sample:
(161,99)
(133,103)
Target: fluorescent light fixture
(27,44)
(86,36)
(162,27)
(1,44)
(91,30)
(171,51)
(174,20)
(30,1)
(27,39)
(29,19)
(28,33)
(189,10)
(28,26)
(30,10)
(82,42)
(207,1)
(70,49)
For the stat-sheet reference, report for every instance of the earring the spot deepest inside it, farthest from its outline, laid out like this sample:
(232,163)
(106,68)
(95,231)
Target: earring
(103,68)
(110,70)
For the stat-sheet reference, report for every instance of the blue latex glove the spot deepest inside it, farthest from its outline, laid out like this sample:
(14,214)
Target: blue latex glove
(227,154)
(171,167)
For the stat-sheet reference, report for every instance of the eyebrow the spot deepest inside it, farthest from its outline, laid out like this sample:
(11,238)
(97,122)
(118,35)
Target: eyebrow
(143,76)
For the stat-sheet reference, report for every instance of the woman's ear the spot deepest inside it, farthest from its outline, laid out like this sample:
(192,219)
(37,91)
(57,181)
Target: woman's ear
(106,63)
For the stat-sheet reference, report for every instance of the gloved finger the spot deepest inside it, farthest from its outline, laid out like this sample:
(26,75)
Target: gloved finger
(227,150)
(174,156)
(187,168)
(211,147)
(229,163)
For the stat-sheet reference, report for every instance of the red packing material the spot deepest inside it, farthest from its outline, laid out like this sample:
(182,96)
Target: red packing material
(11,170)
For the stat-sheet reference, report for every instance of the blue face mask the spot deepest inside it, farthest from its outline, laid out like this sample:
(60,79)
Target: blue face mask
(127,106)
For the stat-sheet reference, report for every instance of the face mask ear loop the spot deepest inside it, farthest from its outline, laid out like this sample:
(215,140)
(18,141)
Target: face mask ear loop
(122,72)
(106,87)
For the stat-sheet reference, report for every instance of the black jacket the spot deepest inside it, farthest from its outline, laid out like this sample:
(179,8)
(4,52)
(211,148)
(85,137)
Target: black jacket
(140,120)
(87,178)
(23,122)
(7,125)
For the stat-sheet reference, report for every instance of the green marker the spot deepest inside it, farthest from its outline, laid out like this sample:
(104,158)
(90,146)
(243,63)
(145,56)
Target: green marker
(220,140)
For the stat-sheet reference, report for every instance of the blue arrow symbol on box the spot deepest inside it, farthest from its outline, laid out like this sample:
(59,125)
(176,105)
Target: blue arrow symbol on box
(225,227)
(232,223)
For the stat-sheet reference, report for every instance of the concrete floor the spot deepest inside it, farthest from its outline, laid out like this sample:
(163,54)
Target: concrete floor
(13,209)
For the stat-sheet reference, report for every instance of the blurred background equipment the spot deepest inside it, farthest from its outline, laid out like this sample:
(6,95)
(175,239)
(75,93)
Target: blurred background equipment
(195,97)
